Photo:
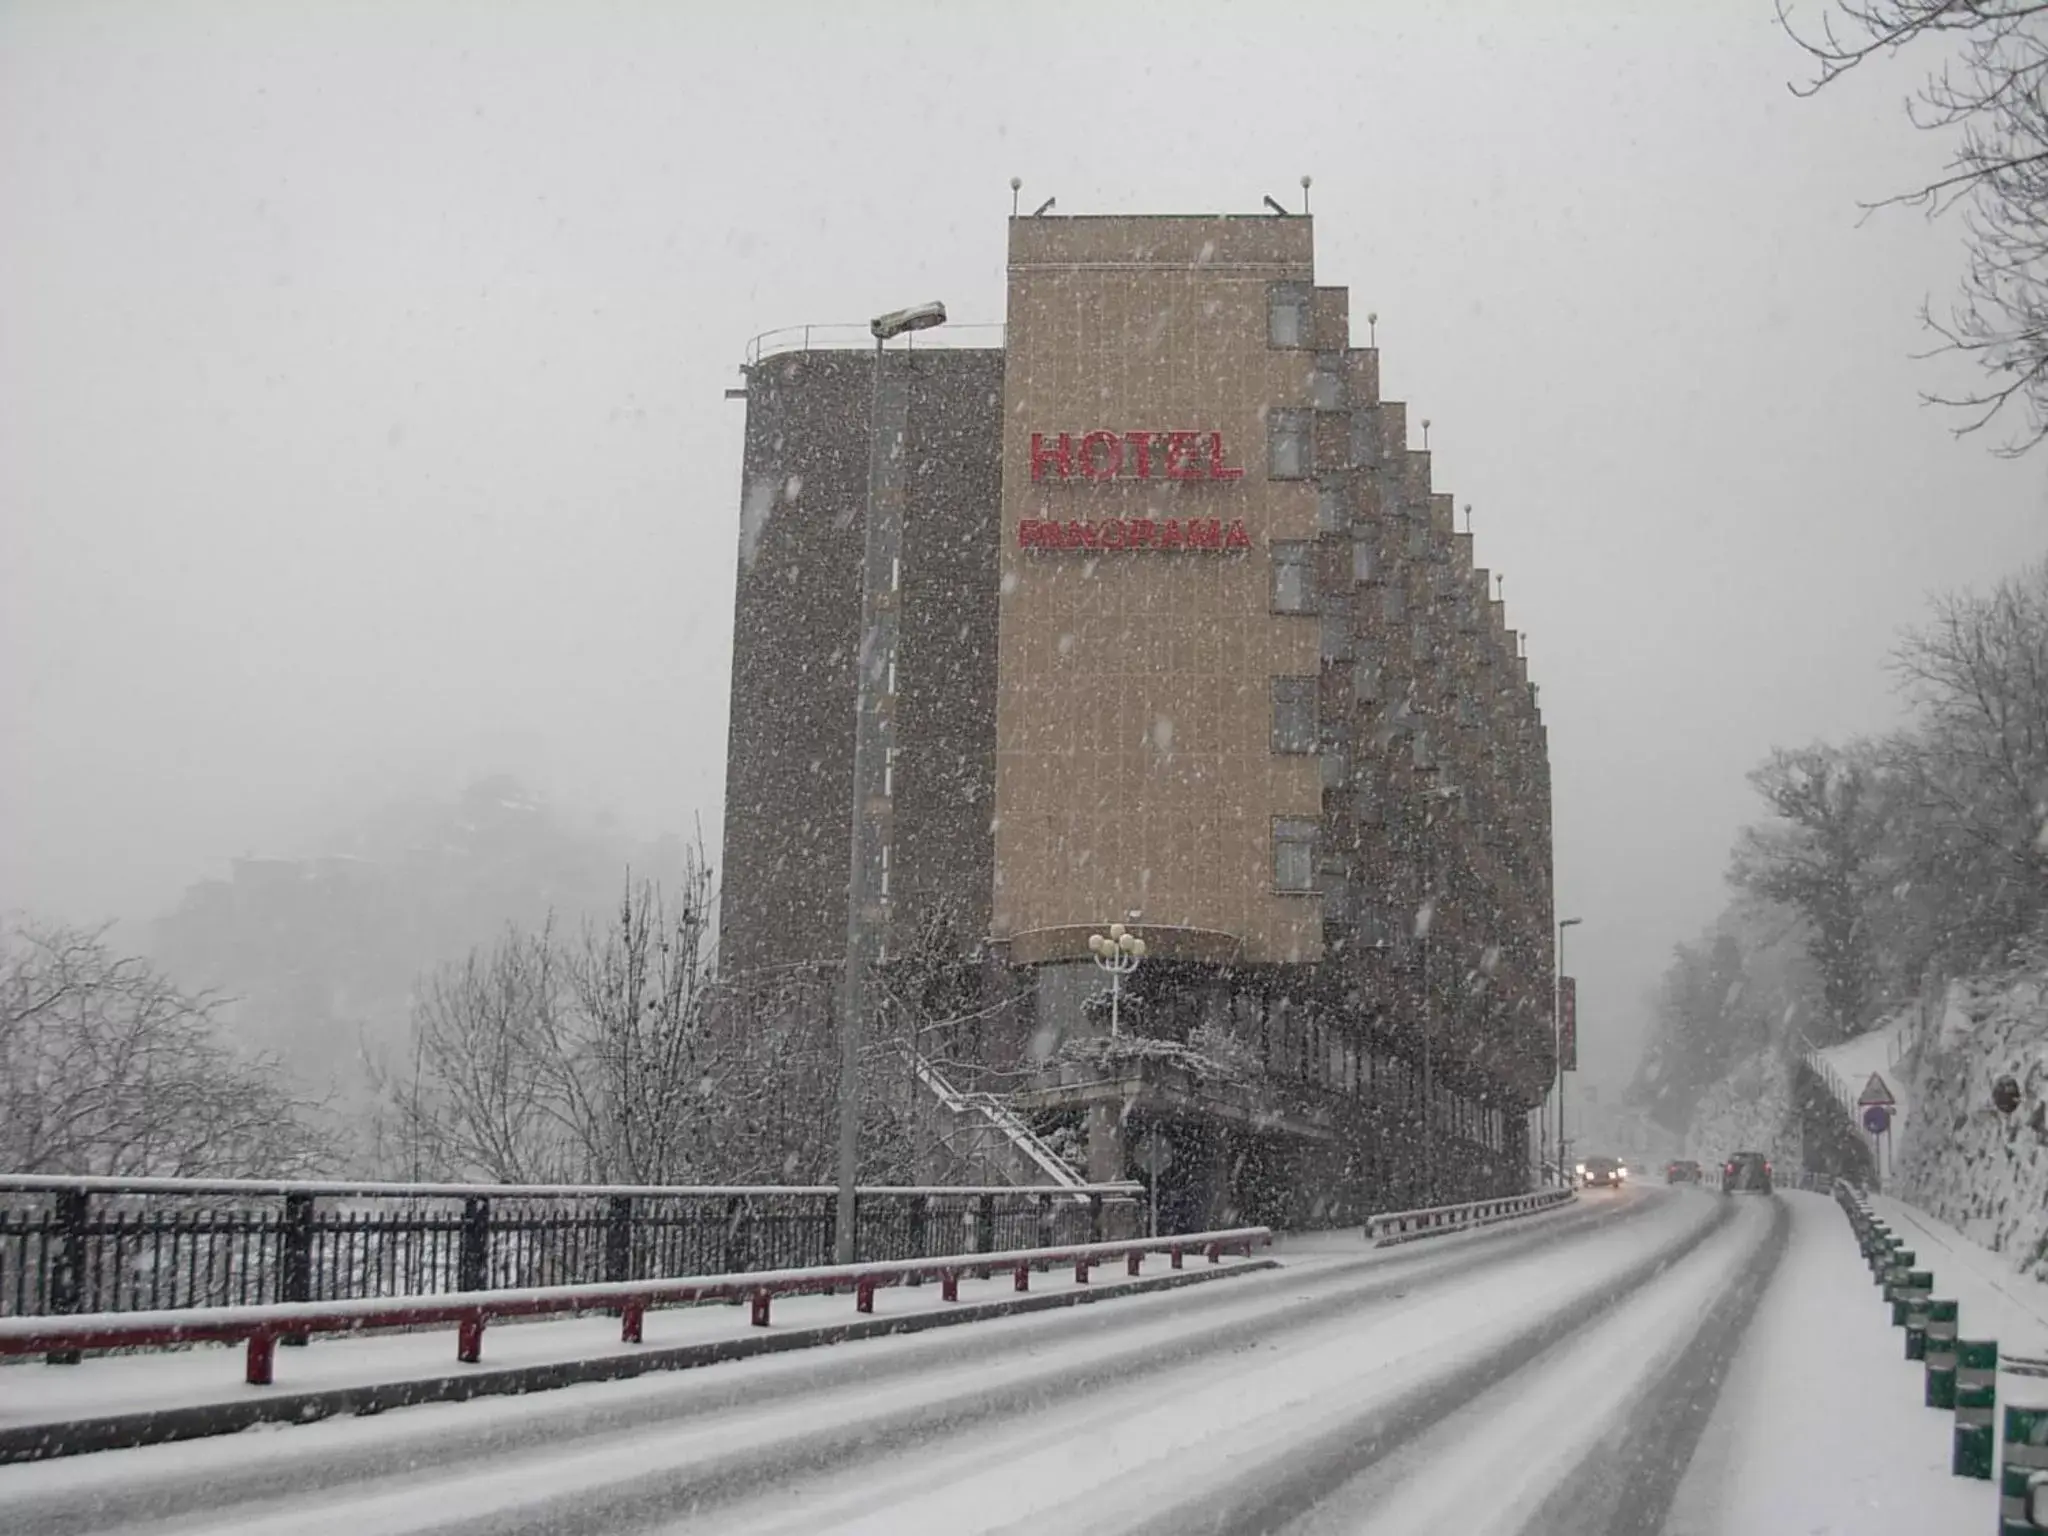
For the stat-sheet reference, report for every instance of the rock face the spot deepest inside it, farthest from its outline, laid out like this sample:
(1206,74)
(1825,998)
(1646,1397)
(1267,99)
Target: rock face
(1983,1172)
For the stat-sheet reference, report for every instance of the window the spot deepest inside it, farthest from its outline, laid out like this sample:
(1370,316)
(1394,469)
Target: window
(1326,384)
(1294,855)
(1418,644)
(1372,932)
(1293,578)
(1418,539)
(1365,680)
(1289,435)
(1288,314)
(1394,604)
(1336,765)
(1468,709)
(1364,560)
(1336,898)
(1336,630)
(1294,714)
(1365,438)
(1330,509)
(1424,756)
(1369,799)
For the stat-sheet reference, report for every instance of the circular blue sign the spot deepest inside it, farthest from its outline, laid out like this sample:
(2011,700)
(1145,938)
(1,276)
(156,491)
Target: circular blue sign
(1876,1119)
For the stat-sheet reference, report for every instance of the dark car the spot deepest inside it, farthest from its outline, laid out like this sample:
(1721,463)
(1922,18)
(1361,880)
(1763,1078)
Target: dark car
(1682,1171)
(1746,1171)
(1602,1172)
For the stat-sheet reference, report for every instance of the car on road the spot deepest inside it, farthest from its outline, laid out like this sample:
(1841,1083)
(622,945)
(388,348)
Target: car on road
(1746,1171)
(1602,1172)
(1682,1171)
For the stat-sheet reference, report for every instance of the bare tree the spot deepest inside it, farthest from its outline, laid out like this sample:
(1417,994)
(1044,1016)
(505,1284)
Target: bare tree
(636,1070)
(107,1068)
(619,1058)
(1819,858)
(1977,765)
(1992,96)
(479,1095)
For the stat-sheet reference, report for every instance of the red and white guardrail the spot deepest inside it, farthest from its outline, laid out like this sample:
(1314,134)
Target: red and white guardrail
(1437,1220)
(261,1327)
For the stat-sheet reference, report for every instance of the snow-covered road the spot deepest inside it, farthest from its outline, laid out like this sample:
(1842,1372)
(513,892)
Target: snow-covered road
(1545,1378)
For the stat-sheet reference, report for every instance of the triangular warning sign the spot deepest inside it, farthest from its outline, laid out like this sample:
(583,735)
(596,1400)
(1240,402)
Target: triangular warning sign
(1875,1092)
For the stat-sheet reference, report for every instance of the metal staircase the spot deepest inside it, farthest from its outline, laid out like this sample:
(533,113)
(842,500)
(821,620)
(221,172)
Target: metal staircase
(983,1135)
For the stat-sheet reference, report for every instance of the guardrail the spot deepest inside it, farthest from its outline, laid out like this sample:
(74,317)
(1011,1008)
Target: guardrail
(1392,1227)
(79,1245)
(1959,1376)
(262,1328)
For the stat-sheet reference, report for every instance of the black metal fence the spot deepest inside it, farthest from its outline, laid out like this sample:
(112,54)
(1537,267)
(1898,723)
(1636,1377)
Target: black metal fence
(97,1245)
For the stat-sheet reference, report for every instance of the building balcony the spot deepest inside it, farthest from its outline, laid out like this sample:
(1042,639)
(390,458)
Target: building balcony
(1155,1079)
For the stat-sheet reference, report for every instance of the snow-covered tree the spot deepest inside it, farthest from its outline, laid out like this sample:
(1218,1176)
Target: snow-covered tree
(108,1068)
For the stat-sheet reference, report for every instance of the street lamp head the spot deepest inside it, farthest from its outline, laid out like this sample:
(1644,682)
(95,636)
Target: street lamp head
(1096,943)
(921,317)
(1134,946)
(1116,932)
(1569,922)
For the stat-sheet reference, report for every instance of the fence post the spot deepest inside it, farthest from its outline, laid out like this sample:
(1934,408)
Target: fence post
(1940,1356)
(2026,1456)
(1095,1218)
(920,1231)
(733,1254)
(1975,1445)
(618,1239)
(295,1272)
(472,1265)
(67,1272)
(985,1224)
(1918,1288)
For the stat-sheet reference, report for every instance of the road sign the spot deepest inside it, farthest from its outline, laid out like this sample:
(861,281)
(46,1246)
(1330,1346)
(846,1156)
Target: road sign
(1154,1153)
(1877,1119)
(1875,1092)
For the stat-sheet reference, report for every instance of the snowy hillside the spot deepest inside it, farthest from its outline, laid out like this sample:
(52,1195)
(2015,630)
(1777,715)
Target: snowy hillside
(1984,1173)
(1750,1110)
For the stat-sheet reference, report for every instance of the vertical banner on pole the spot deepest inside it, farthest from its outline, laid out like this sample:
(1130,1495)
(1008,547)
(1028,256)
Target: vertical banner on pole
(1567,1024)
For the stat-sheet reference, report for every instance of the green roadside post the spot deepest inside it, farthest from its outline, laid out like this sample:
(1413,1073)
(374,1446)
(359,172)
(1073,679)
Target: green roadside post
(1918,1288)
(1940,1353)
(1895,1282)
(2026,1456)
(1975,1447)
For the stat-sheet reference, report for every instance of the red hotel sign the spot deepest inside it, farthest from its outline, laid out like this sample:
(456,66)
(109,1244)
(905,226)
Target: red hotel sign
(1102,455)
(1131,456)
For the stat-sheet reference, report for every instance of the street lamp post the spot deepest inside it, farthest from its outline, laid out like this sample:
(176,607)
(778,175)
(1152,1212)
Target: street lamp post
(1436,795)
(867,883)
(1557,1036)
(1118,952)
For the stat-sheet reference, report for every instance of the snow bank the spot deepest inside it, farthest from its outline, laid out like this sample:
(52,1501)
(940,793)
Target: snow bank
(1983,1173)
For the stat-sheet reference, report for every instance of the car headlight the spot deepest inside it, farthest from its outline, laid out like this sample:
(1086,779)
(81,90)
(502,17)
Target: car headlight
(1582,1170)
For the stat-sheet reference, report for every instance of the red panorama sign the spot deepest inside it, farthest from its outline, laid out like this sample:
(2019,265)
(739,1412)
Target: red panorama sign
(1197,533)
(1131,456)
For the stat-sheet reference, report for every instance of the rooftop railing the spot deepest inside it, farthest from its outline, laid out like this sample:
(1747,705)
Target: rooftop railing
(848,335)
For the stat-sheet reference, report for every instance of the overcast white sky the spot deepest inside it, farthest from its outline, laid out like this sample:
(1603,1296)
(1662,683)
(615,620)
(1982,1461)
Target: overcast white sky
(360,373)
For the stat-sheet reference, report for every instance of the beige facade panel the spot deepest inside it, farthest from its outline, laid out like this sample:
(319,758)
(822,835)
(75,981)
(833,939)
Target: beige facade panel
(1135,768)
